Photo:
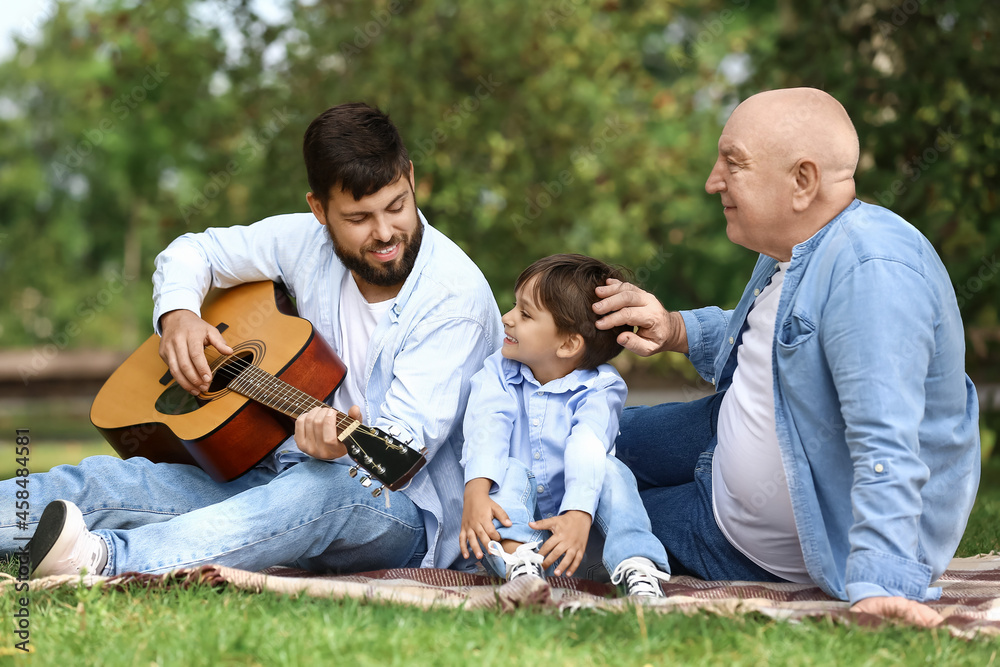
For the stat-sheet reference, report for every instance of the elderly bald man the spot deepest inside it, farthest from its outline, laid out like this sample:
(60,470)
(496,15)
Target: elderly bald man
(841,446)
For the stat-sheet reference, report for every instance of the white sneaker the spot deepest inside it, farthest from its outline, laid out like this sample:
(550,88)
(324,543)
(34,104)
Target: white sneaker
(63,545)
(641,577)
(523,562)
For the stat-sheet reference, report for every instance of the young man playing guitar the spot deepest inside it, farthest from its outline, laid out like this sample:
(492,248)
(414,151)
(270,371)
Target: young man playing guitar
(408,312)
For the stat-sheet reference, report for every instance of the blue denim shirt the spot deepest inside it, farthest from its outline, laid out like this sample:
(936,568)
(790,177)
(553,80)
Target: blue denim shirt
(562,430)
(877,421)
(421,357)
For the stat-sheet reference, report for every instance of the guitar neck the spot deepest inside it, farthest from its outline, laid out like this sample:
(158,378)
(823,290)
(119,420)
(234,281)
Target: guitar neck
(261,386)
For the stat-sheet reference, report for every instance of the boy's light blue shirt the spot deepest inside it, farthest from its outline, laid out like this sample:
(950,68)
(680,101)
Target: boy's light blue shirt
(562,430)
(421,356)
(877,421)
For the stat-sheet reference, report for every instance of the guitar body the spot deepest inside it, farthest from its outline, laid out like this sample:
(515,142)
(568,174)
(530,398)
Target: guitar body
(141,411)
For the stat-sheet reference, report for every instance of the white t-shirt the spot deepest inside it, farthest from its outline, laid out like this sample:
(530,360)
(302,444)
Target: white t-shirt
(358,320)
(749,490)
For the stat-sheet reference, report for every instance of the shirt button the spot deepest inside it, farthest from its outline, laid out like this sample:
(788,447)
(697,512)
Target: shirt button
(541,489)
(534,422)
(731,340)
(879,467)
(756,291)
(538,455)
(538,393)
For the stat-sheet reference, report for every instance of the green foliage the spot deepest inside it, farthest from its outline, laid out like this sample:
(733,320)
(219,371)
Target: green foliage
(918,79)
(534,128)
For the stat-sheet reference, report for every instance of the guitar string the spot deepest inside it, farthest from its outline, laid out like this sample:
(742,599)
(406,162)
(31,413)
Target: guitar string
(253,380)
(343,421)
(292,391)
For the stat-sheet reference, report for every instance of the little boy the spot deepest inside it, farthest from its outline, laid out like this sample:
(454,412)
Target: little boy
(539,435)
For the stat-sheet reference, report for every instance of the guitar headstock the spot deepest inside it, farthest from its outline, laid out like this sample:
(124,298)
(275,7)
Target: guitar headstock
(382,456)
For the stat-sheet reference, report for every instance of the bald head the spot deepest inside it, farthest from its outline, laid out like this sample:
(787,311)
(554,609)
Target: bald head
(801,123)
(785,168)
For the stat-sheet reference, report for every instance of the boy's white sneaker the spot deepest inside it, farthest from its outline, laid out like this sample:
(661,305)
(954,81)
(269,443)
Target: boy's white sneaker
(525,561)
(642,579)
(63,545)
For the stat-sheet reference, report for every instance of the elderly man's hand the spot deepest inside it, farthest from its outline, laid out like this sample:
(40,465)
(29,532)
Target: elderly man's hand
(657,329)
(906,610)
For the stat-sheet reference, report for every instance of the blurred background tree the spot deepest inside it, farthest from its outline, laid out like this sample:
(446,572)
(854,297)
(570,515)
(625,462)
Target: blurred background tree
(535,128)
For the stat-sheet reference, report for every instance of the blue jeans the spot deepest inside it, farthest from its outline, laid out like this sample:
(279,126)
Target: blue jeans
(620,529)
(159,517)
(669,448)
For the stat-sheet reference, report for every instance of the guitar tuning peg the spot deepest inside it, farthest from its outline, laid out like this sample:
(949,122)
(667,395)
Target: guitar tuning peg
(366,481)
(377,492)
(353,472)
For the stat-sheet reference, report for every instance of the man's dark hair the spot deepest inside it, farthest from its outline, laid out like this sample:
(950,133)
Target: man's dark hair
(565,287)
(356,147)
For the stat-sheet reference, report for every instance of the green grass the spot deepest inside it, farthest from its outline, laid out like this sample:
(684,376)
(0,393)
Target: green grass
(202,626)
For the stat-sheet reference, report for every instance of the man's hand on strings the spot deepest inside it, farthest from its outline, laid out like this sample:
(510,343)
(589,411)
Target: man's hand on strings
(316,432)
(182,345)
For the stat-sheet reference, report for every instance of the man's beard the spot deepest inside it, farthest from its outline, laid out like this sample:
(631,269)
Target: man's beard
(389,274)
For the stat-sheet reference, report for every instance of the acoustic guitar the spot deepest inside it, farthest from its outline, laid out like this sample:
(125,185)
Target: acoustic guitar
(278,366)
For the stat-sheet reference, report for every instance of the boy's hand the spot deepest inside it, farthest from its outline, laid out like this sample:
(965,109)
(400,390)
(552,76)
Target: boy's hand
(570,531)
(478,512)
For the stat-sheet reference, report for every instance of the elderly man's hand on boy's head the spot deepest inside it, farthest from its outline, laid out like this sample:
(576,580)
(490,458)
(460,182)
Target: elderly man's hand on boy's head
(658,330)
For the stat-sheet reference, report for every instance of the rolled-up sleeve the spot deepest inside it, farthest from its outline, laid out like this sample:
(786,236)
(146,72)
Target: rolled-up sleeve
(596,413)
(489,423)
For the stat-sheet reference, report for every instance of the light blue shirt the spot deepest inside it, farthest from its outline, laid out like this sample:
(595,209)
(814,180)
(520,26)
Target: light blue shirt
(421,356)
(562,430)
(877,421)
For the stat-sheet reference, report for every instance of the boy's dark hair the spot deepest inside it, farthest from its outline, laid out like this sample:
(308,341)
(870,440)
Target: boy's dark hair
(565,288)
(354,146)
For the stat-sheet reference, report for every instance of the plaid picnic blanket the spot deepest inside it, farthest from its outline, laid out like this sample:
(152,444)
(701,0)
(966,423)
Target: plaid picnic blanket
(970,600)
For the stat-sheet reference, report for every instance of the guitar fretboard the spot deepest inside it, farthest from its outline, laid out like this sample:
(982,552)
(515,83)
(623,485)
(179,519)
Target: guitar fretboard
(261,386)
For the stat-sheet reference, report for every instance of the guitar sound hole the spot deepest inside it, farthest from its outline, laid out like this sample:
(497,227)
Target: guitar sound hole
(175,400)
(229,369)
